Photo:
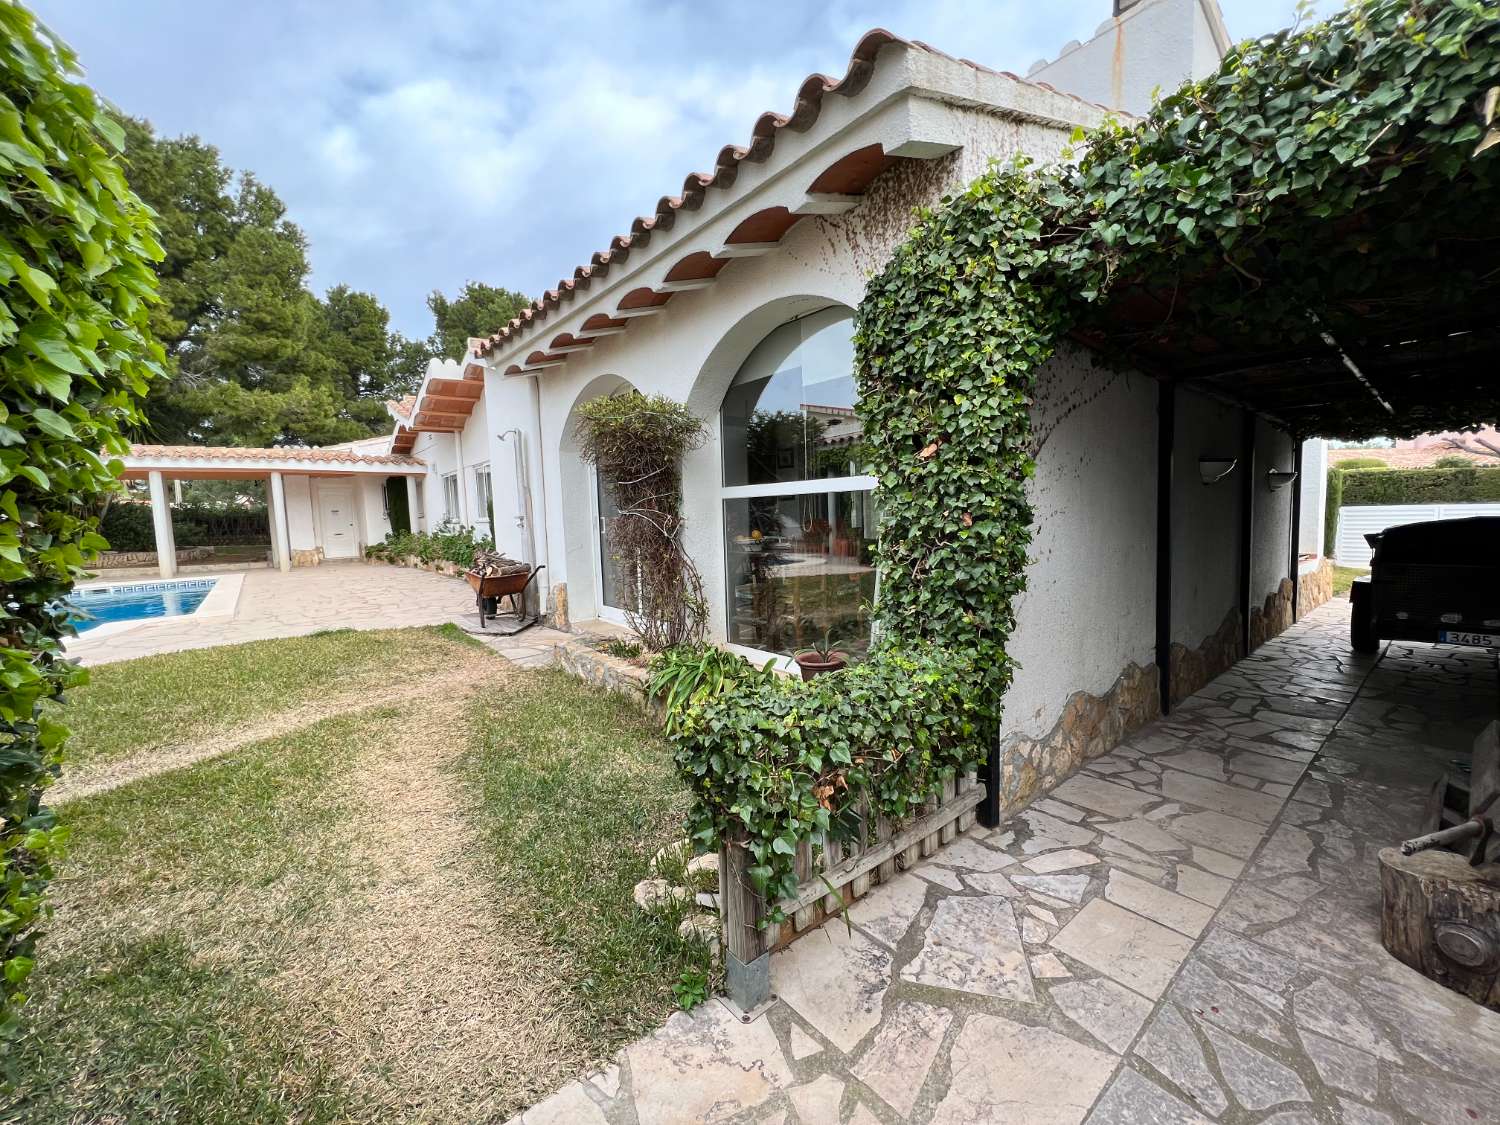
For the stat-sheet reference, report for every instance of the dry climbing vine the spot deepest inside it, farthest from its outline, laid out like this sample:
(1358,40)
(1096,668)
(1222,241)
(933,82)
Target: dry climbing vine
(637,444)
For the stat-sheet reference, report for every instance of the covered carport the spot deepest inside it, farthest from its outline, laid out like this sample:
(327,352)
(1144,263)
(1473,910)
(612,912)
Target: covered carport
(323,503)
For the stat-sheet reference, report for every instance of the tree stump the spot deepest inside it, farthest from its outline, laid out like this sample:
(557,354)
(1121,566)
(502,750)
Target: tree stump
(1442,917)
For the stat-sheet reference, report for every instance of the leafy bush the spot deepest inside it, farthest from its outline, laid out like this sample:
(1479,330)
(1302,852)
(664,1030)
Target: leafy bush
(1454,461)
(637,444)
(1468,485)
(1362,463)
(448,542)
(128,527)
(777,759)
(76,356)
(686,676)
(1332,502)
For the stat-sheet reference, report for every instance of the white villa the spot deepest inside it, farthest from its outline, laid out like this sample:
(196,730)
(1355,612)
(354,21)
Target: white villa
(736,295)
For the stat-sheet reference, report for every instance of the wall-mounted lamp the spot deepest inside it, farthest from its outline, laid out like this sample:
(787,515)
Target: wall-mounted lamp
(1214,469)
(1278,479)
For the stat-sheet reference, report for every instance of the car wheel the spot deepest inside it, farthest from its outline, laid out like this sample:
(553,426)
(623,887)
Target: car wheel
(1362,636)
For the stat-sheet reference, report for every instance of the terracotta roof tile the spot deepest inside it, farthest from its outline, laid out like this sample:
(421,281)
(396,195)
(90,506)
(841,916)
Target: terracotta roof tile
(283,453)
(402,406)
(805,110)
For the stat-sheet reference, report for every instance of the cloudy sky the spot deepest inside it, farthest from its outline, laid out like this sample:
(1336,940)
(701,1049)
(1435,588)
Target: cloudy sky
(423,144)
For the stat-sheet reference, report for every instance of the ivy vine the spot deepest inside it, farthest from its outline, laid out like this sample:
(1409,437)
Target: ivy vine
(75,357)
(1380,115)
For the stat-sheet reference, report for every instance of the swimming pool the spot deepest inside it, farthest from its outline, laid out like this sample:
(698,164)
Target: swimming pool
(93,606)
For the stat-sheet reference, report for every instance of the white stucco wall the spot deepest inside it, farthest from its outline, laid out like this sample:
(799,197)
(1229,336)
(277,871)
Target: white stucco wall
(511,437)
(374,525)
(301,529)
(692,349)
(1271,546)
(1205,519)
(1090,604)
(1314,486)
(1157,43)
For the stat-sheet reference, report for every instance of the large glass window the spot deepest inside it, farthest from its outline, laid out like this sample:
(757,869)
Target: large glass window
(799,521)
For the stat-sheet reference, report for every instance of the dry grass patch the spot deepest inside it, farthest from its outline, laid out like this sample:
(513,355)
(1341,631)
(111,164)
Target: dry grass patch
(418,910)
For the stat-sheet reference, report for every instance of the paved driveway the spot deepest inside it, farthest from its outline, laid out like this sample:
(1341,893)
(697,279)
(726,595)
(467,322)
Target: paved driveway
(1185,932)
(352,595)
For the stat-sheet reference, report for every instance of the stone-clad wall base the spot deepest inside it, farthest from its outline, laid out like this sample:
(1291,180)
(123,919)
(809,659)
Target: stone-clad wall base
(111,559)
(1275,616)
(1194,667)
(579,657)
(1090,726)
(1315,588)
(1272,618)
(557,607)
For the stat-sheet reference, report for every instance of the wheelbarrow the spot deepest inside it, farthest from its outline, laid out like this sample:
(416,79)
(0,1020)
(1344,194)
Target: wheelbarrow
(490,589)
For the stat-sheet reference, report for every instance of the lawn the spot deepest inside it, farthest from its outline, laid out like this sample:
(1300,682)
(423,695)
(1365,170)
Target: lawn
(1343,578)
(402,893)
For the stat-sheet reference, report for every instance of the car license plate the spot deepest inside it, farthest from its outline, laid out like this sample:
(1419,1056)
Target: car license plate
(1477,640)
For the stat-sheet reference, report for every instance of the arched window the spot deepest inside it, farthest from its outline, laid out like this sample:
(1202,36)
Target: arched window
(799,519)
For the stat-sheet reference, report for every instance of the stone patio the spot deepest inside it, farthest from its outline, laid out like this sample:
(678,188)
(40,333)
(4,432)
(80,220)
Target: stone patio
(1186,931)
(352,595)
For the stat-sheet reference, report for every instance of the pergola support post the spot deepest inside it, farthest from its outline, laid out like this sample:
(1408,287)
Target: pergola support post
(281,540)
(161,525)
(1166,436)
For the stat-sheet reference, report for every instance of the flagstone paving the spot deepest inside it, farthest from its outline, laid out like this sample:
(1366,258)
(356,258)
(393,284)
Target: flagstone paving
(337,595)
(1186,931)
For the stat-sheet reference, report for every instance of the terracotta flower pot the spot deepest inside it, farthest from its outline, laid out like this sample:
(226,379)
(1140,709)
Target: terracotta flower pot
(812,665)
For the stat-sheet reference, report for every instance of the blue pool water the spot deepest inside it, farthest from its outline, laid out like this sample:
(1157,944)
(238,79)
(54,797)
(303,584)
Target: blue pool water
(136,601)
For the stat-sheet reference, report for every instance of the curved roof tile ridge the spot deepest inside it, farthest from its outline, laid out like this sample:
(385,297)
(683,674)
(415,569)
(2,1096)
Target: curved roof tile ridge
(805,112)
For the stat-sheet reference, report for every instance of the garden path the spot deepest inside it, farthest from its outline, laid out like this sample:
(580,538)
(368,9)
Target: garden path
(1185,931)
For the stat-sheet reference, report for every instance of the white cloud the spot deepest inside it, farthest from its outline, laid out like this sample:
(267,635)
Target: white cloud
(421,145)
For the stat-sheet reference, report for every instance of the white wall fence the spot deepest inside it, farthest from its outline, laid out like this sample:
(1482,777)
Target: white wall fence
(1356,521)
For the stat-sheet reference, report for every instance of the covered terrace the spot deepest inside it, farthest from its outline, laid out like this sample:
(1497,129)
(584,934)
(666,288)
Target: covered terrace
(323,503)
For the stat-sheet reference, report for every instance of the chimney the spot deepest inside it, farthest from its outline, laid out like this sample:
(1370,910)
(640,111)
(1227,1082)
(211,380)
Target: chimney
(1146,44)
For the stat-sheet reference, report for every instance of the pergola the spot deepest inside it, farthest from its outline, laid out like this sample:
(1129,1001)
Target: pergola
(158,464)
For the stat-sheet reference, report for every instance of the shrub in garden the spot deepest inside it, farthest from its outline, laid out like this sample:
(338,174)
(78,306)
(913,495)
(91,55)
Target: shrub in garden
(448,542)
(637,444)
(75,358)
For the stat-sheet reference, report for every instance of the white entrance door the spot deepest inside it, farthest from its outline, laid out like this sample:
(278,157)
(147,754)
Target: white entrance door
(336,518)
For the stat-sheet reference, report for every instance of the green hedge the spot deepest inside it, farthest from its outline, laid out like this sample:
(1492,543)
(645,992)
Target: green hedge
(76,358)
(128,527)
(1420,486)
(1331,505)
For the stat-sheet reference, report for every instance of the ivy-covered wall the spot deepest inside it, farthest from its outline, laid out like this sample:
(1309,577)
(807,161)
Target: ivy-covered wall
(1264,160)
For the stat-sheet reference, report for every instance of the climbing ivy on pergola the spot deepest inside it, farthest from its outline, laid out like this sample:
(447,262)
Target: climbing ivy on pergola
(1324,203)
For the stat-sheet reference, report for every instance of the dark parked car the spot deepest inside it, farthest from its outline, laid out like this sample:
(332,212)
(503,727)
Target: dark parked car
(1437,581)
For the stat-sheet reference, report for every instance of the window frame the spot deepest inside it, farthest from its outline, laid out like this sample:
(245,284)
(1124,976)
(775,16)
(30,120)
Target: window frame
(484,495)
(808,486)
(451,508)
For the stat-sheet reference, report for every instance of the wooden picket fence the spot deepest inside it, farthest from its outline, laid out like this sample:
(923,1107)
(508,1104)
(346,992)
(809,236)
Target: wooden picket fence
(833,873)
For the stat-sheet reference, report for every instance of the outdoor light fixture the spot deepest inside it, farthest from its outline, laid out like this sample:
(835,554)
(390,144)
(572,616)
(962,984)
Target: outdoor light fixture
(1278,479)
(1214,469)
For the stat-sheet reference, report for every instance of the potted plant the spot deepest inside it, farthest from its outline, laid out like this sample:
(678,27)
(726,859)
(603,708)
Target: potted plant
(820,657)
